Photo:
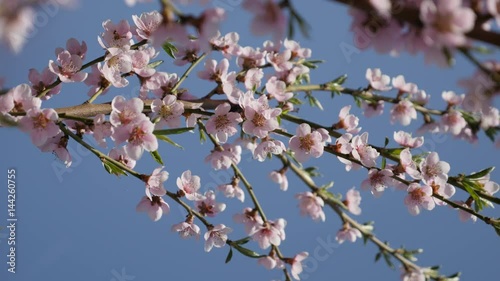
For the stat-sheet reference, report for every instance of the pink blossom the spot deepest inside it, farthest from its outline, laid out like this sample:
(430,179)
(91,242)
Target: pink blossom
(490,118)
(352,201)
(453,122)
(451,98)
(378,81)
(419,197)
(269,18)
(124,111)
(68,67)
(188,52)
(41,81)
(154,183)
(372,109)
(169,110)
(249,57)
(102,129)
(139,137)
(420,97)
(58,145)
(348,233)
(399,83)
(343,144)
(216,237)
(187,229)
(163,83)
(296,263)
(116,35)
(40,124)
(270,262)
(155,207)
(405,139)
(140,61)
(232,190)
(74,48)
(297,51)
(280,61)
(446,190)
(413,275)
(271,233)
(97,81)
(259,121)
(312,205)
(223,123)
(227,44)
(361,151)
(147,23)
(121,155)
(410,167)
(208,206)
(267,147)
(306,143)
(222,159)
(17,27)
(434,170)
(347,121)
(403,112)
(463,215)
(253,79)
(208,25)
(250,218)
(378,181)
(277,89)
(279,178)
(214,71)
(446,22)
(116,63)
(19,99)
(189,185)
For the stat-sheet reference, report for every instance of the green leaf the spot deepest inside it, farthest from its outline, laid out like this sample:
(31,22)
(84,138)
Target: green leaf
(387,259)
(314,102)
(497,227)
(242,241)
(229,255)
(384,162)
(471,188)
(247,252)
(112,168)
(491,133)
(173,131)
(157,157)
(386,142)
(312,172)
(168,140)
(155,64)
(340,80)
(481,173)
(295,101)
(203,137)
(170,49)
(378,256)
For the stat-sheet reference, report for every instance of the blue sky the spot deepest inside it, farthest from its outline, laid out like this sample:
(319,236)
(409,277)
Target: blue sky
(80,224)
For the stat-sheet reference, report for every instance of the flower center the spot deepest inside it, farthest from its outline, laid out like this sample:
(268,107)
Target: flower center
(221,121)
(306,142)
(165,111)
(258,120)
(40,121)
(417,194)
(136,136)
